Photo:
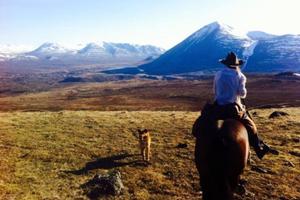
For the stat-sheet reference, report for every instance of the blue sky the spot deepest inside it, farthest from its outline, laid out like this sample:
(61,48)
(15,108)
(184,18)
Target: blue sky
(159,22)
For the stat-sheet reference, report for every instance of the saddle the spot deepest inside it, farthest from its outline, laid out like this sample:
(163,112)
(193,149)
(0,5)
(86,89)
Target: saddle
(214,113)
(221,112)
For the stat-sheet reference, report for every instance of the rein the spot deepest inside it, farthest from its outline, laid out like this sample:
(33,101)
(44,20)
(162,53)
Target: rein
(247,112)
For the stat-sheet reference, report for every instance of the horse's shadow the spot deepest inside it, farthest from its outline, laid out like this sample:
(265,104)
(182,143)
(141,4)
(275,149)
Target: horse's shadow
(109,162)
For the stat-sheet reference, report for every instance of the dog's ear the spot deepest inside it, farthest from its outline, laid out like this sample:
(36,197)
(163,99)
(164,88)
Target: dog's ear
(140,131)
(145,130)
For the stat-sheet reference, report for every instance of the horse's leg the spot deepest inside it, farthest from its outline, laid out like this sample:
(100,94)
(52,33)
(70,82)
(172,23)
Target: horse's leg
(204,183)
(228,192)
(203,170)
(235,181)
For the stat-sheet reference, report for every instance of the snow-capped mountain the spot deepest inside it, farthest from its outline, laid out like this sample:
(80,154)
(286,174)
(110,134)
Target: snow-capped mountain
(93,50)
(276,54)
(50,49)
(93,53)
(119,50)
(201,51)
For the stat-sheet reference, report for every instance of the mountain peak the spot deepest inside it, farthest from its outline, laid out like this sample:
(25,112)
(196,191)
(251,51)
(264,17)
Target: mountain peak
(205,31)
(94,45)
(217,25)
(49,47)
(92,48)
(221,30)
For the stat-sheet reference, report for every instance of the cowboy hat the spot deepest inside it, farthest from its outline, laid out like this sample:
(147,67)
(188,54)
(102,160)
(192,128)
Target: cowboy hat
(231,60)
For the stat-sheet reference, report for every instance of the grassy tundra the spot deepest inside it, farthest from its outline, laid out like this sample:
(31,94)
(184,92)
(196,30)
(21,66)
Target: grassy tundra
(49,155)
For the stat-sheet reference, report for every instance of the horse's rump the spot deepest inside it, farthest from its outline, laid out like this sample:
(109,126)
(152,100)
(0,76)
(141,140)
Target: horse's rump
(235,145)
(221,154)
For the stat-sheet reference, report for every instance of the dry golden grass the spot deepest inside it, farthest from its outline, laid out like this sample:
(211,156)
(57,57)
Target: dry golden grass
(44,154)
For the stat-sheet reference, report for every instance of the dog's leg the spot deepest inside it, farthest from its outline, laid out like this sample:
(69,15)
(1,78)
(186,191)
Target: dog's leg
(148,153)
(142,153)
(145,154)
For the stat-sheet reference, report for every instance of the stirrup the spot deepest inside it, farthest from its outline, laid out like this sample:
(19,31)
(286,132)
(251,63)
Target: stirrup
(261,152)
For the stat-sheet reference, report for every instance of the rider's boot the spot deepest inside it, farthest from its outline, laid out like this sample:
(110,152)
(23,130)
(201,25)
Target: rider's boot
(260,148)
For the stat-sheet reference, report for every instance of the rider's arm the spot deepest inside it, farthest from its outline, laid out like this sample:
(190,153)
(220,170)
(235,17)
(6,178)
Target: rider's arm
(242,91)
(217,76)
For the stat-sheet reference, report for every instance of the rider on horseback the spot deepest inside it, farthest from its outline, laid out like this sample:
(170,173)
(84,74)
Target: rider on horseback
(229,89)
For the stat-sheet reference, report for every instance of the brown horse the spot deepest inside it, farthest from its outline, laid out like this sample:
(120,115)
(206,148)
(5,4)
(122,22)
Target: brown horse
(221,155)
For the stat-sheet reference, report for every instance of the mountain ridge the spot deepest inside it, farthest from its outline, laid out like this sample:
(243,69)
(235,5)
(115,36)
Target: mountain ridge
(201,51)
(92,53)
(196,52)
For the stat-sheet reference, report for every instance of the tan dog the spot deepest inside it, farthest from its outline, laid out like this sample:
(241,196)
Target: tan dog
(145,141)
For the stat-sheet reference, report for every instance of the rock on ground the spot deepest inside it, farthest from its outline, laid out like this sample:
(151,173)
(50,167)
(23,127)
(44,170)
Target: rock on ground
(278,114)
(101,185)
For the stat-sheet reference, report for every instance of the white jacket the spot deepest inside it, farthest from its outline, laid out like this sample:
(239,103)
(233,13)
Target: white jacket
(229,86)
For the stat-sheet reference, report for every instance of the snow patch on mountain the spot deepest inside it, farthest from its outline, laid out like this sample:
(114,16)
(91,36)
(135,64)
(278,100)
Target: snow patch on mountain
(50,48)
(23,57)
(204,31)
(259,35)
(92,49)
(229,30)
(249,48)
(120,50)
